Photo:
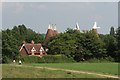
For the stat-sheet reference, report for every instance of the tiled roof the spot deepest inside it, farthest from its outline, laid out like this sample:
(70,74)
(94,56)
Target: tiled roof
(29,47)
(49,34)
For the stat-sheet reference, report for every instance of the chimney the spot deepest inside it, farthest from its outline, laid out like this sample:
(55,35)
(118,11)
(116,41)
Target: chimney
(32,42)
(23,42)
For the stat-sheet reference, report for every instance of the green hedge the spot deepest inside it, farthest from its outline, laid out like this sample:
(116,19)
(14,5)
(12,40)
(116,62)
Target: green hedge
(47,59)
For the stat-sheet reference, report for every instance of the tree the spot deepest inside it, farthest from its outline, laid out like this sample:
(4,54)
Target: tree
(118,38)
(9,46)
(77,45)
(92,45)
(118,44)
(112,46)
(12,39)
(112,32)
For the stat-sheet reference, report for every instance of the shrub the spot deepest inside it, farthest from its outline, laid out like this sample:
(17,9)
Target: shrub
(6,60)
(30,59)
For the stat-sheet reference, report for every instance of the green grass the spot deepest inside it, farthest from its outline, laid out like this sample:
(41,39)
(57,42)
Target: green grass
(12,71)
(105,68)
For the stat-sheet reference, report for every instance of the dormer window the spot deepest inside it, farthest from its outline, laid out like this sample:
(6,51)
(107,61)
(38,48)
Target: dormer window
(33,50)
(42,49)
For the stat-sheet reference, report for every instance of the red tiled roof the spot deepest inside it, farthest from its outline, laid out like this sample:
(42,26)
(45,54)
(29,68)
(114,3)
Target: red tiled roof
(49,34)
(29,47)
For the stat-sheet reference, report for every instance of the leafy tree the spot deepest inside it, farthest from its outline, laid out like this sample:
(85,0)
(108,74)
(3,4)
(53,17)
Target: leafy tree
(12,39)
(118,44)
(118,38)
(112,46)
(78,45)
(9,46)
(111,42)
(92,45)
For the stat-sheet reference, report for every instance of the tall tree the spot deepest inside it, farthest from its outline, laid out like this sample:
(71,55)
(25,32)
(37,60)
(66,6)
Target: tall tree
(118,37)
(111,46)
(118,45)
(112,32)
(9,46)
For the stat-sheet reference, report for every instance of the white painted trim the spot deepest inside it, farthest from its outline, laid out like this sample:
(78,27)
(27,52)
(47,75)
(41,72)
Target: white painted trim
(21,47)
(41,49)
(95,25)
(33,49)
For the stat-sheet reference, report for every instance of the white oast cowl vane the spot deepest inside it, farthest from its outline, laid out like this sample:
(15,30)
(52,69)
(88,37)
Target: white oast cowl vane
(95,25)
(77,26)
(49,26)
(54,27)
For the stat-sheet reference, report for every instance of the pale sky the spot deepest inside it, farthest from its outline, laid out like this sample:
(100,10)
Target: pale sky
(37,15)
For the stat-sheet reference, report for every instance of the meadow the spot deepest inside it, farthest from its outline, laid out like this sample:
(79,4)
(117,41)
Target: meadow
(35,70)
(105,68)
(11,71)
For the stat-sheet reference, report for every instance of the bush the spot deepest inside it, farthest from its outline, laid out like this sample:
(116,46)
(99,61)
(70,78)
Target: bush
(6,60)
(47,59)
(30,59)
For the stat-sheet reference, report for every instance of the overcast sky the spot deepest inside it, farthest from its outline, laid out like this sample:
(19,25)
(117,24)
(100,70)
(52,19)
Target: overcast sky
(37,15)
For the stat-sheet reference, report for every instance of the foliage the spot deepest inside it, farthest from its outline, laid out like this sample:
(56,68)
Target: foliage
(80,46)
(26,34)
(112,43)
(47,59)
(77,45)
(118,37)
(112,32)
(12,39)
(118,44)
(9,47)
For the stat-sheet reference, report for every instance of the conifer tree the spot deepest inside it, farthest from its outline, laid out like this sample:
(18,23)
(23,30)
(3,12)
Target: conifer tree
(112,32)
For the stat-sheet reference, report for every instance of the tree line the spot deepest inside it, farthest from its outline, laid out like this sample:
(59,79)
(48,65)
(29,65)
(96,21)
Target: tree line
(81,46)
(86,45)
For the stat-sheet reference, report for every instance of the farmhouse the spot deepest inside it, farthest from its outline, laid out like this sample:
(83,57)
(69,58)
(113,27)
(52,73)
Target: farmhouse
(31,49)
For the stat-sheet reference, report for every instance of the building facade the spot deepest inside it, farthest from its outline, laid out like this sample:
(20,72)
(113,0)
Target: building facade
(32,49)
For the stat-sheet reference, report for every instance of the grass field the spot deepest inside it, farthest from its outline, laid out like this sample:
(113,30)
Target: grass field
(106,68)
(30,70)
(11,71)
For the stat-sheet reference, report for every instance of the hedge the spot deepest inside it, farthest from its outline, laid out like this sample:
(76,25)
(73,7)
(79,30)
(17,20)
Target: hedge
(47,59)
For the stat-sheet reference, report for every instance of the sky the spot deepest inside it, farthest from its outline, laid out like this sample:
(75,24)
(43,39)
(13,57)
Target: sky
(38,15)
